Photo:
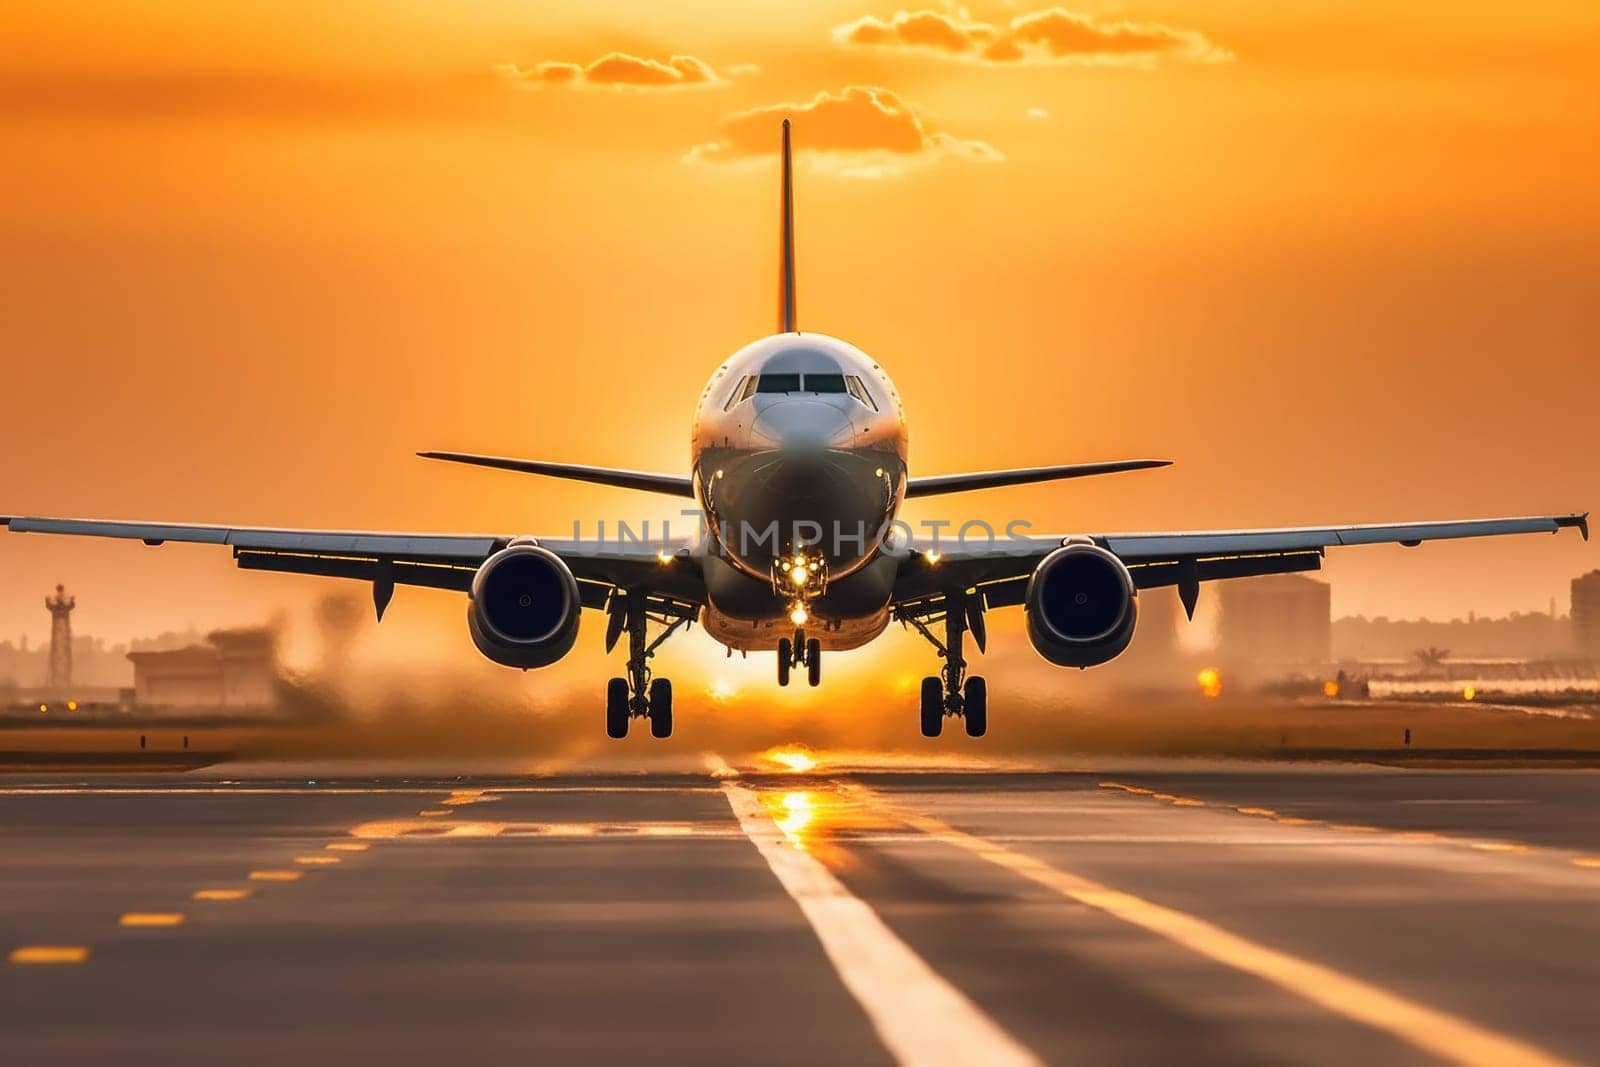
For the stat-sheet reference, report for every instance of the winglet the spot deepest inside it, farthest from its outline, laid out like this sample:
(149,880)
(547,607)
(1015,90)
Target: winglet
(1579,522)
(787,322)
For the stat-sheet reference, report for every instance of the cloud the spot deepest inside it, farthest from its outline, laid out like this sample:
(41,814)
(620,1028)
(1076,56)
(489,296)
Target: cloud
(862,131)
(619,70)
(1053,35)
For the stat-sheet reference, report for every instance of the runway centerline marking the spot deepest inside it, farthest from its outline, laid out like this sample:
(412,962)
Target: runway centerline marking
(275,876)
(1450,1038)
(919,1016)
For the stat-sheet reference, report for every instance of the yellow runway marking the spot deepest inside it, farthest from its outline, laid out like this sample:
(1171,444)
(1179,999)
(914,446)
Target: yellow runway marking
(1265,812)
(347,846)
(1188,802)
(317,861)
(221,894)
(1436,1032)
(151,918)
(1354,828)
(1498,846)
(50,954)
(1587,861)
(275,876)
(1290,820)
(432,812)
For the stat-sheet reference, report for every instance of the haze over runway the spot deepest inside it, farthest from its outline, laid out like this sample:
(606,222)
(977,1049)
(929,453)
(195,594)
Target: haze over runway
(1125,911)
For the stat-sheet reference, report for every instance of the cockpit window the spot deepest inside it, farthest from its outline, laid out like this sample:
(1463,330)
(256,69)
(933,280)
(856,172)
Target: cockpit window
(779,383)
(859,391)
(824,383)
(735,396)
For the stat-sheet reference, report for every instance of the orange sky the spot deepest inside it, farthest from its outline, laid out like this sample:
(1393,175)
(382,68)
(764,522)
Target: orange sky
(1339,261)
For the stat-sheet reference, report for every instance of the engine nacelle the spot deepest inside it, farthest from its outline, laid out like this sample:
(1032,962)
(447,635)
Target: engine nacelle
(524,607)
(1081,605)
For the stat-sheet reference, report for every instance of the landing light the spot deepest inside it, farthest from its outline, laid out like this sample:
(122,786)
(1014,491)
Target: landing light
(798,615)
(1469,693)
(663,557)
(932,556)
(72,705)
(1330,689)
(798,574)
(1210,680)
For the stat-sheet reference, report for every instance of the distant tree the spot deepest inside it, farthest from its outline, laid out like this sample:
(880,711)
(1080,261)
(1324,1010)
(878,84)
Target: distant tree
(1431,658)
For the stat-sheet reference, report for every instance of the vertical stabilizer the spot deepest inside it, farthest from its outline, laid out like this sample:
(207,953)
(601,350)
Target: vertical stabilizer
(787,323)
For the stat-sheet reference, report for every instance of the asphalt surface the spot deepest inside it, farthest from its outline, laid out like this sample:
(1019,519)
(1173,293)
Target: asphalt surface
(1130,913)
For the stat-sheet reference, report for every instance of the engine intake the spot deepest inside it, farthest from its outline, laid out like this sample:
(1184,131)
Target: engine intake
(524,607)
(1081,605)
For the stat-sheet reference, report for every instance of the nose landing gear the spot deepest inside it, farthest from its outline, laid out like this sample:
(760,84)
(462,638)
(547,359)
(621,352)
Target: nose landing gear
(952,692)
(800,651)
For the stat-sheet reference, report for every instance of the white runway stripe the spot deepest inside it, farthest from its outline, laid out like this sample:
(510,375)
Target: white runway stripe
(921,1018)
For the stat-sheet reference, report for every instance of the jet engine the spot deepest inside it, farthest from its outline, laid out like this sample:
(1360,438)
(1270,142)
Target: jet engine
(1081,605)
(524,607)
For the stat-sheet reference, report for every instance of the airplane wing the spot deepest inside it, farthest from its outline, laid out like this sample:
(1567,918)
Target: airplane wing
(1000,569)
(439,561)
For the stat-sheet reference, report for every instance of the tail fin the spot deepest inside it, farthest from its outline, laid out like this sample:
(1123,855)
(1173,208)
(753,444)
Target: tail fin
(787,323)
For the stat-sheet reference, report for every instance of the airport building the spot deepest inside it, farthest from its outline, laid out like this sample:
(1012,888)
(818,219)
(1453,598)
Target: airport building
(234,671)
(1275,620)
(1586,614)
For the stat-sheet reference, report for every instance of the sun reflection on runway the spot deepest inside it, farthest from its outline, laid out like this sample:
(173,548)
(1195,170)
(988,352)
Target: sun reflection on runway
(799,810)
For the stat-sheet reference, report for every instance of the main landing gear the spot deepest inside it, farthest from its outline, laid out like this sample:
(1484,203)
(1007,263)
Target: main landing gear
(638,695)
(952,692)
(798,651)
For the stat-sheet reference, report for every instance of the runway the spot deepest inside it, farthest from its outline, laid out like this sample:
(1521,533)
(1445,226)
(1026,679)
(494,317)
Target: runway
(1123,912)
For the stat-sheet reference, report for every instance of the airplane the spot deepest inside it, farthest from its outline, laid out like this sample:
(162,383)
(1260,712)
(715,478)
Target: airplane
(796,434)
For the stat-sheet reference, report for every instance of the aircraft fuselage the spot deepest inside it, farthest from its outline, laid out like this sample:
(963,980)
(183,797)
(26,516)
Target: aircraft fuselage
(799,454)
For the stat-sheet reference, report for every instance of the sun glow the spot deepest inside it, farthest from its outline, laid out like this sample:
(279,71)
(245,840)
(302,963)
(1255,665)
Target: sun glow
(799,760)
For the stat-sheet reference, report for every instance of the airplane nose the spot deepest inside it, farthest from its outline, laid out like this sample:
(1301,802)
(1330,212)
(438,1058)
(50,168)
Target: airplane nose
(805,424)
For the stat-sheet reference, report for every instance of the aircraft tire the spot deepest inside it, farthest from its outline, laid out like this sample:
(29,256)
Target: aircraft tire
(975,706)
(932,707)
(661,707)
(617,708)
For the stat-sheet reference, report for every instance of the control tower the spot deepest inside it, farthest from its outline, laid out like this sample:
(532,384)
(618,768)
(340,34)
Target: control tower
(60,606)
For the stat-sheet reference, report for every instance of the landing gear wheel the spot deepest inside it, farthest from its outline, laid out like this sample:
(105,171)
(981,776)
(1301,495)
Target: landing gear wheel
(785,659)
(661,708)
(932,707)
(813,662)
(617,708)
(975,706)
